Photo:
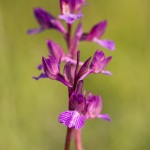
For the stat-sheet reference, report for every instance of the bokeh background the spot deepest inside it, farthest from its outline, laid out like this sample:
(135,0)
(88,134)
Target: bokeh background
(29,108)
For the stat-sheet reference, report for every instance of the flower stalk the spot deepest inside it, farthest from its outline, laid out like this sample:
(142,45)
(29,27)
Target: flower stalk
(78,139)
(68,138)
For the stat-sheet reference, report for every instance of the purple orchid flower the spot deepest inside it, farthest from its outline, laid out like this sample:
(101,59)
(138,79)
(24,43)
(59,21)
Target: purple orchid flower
(46,21)
(81,109)
(74,118)
(67,11)
(52,70)
(97,65)
(97,32)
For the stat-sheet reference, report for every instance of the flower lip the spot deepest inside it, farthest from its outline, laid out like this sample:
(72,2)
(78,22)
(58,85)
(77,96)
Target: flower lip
(71,119)
(70,18)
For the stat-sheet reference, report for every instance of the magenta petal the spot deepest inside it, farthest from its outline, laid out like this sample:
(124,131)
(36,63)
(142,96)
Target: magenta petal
(98,57)
(94,106)
(77,102)
(46,20)
(99,62)
(43,17)
(79,87)
(64,6)
(105,43)
(104,116)
(85,74)
(84,67)
(70,18)
(71,5)
(84,70)
(97,31)
(55,50)
(42,75)
(67,72)
(71,119)
(51,67)
(79,4)
(62,79)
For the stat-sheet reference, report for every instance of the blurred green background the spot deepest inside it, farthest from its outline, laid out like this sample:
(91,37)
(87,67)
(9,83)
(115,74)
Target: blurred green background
(29,108)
